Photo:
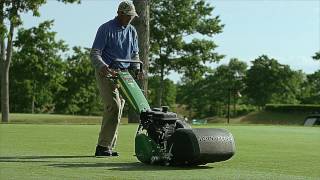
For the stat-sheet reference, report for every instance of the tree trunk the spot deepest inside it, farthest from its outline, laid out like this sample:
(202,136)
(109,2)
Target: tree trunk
(33,97)
(234,103)
(32,104)
(4,117)
(228,110)
(5,93)
(5,77)
(160,90)
(141,24)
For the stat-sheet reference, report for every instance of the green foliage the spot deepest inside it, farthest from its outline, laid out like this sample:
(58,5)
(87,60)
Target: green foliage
(308,108)
(12,9)
(169,92)
(38,65)
(244,109)
(80,93)
(292,81)
(171,22)
(269,81)
(70,1)
(310,90)
(275,118)
(43,82)
(316,56)
(200,103)
(208,96)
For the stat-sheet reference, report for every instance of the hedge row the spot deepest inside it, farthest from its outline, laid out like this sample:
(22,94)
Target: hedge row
(308,108)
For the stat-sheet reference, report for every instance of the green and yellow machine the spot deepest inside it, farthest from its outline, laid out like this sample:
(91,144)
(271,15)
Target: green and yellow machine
(162,138)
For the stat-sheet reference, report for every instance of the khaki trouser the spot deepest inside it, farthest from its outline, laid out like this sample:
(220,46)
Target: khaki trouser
(113,106)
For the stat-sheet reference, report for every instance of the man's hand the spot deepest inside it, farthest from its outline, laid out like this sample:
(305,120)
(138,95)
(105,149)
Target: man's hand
(107,72)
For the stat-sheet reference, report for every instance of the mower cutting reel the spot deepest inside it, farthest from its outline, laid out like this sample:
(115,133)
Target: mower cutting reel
(162,138)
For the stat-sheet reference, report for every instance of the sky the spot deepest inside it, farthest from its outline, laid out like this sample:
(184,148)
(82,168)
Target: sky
(287,30)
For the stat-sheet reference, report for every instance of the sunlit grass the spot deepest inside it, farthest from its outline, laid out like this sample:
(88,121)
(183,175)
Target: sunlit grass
(30,151)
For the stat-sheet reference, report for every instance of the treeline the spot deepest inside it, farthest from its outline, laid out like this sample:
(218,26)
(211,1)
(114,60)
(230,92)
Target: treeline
(47,77)
(42,80)
(46,80)
(246,89)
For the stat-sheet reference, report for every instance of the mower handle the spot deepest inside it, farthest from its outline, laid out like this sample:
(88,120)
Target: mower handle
(131,61)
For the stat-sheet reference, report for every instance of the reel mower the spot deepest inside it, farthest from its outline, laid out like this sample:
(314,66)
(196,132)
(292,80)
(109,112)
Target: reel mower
(162,138)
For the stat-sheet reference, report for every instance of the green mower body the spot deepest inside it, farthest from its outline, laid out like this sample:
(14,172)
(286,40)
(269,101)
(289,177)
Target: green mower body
(162,138)
(132,92)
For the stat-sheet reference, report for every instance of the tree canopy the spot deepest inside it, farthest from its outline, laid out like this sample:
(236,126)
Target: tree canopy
(170,49)
(37,62)
(269,81)
(10,12)
(316,56)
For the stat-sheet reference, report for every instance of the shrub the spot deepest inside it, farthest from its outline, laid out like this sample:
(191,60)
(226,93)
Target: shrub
(307,108)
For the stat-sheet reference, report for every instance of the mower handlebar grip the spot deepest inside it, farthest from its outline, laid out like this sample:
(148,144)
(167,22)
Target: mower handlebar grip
(131,61)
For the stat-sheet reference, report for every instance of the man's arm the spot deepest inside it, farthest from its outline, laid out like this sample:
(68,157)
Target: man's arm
(97,47)
(96,53)
(96,59)
(101,67)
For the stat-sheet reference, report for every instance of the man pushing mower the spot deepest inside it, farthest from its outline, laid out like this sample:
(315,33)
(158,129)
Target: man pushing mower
(115,39)
(161,138)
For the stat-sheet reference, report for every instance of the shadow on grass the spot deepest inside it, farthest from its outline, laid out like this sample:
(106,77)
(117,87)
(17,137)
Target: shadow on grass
(23,161)
(40,157)
(117,166)
(129,166)
(26,159)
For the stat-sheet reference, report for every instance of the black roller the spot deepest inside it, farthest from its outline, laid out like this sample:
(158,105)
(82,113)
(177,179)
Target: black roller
(200,146)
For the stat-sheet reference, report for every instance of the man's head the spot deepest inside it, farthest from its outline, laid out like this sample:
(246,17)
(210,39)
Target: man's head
(126,12)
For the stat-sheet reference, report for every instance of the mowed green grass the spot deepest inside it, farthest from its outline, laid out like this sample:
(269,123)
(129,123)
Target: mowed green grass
(30,151)
(53,119)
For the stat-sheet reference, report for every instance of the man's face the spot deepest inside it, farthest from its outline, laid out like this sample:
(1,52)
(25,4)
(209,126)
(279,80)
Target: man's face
(124,19)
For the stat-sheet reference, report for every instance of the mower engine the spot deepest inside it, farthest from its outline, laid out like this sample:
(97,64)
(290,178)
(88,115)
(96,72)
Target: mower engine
(164,139)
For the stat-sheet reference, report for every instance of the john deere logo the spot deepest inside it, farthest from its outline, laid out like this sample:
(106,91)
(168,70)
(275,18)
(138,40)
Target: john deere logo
(214,138)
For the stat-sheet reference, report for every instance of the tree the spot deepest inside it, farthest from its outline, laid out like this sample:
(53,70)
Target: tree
(170,91)
(291,83)
(171,22)
(316,56)
(311,89)
(10,12)
(143,29)
(208,96)
(79,95)
(38,65)
(268,81)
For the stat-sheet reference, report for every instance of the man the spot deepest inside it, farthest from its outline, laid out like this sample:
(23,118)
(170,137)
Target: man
(115,39)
